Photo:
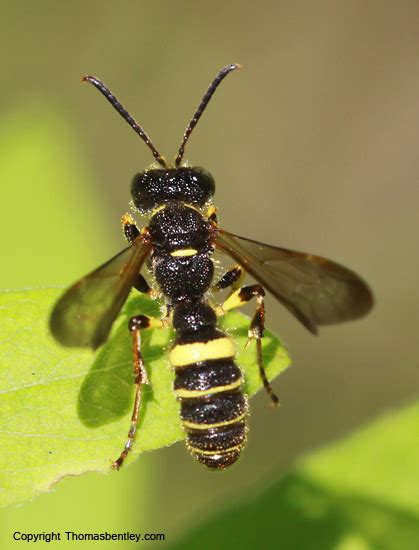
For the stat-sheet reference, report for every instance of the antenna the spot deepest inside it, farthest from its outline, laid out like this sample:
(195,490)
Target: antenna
(201,108)
(125,115)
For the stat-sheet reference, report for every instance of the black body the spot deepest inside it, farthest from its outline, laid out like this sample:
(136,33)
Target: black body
(214,418)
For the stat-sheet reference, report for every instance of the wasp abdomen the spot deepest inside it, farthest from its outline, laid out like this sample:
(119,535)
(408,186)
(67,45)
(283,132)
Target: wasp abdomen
(215,423)
(208,384)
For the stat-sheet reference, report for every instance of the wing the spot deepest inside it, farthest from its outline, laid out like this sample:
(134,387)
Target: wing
(84,314)
(315,290)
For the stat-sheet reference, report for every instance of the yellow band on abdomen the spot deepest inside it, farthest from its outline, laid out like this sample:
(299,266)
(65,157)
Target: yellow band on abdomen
(215,452)
(187,354)
(196,426)
(182,392)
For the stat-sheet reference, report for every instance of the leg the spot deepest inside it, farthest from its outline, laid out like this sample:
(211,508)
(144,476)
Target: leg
(136,324)
(131,232)
(257,325)
(233,278)
(142,286)
(129,228)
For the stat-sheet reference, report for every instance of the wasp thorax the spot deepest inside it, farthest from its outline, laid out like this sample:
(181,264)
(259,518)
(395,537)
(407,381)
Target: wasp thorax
(155,187)
(178,226)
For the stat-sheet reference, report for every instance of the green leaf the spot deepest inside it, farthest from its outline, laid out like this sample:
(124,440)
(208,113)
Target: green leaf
(66,411)
(360,494)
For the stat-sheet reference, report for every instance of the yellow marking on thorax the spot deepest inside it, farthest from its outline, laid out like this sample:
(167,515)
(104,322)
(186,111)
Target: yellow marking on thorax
(216,389)
(196,426)
(184,252)
(187,354)
(158,209)
(211,210)
(127,219)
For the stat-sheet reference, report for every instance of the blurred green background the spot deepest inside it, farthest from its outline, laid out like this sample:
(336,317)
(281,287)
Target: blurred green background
(313,146)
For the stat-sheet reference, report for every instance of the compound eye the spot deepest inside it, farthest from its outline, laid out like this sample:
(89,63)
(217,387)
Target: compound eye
(139,191)
(149,188)
(204,180)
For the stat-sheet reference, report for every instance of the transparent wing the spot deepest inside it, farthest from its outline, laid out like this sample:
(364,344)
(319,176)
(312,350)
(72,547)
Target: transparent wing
(315,290)
(83,316)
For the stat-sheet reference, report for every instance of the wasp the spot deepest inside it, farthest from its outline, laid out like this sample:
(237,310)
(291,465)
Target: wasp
(176,247)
